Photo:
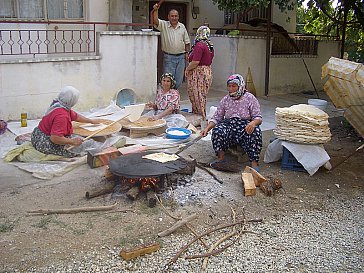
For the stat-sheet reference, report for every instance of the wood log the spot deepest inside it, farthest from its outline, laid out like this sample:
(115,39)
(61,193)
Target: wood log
(139,251)
(249,185)
(258,178)
(151,199)
(177,225)
(73,210)
(109,175)
(190,168)
(133,193)
(102,189)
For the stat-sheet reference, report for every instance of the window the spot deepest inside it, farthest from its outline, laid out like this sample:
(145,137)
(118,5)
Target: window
(229,17)
(41,9)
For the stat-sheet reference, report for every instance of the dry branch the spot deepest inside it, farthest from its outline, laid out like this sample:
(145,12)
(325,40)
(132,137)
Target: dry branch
(73,210)
(185,247)
(179,218)
(177,225)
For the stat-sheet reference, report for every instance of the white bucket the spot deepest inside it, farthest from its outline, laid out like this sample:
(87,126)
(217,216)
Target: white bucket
(321,104)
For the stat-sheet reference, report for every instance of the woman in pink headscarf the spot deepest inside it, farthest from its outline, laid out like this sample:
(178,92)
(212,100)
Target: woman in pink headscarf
(236,122)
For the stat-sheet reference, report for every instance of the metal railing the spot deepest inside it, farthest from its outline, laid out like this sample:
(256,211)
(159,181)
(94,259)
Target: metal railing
(51,37)
(285,43)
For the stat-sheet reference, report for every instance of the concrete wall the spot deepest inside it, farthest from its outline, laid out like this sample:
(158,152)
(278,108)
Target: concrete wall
(286,19)
(287,73)
(127,60)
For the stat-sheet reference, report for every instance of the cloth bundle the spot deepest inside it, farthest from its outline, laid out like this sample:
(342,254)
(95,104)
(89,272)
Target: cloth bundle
(302,123)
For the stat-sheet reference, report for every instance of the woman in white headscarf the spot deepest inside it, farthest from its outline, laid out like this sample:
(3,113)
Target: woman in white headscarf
(236,122)
(55,129)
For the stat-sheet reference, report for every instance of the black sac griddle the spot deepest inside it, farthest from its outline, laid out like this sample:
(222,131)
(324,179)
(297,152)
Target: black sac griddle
(134,166)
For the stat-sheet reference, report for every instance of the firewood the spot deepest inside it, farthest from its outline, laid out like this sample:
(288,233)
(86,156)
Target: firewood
(109,175)
(249,185)
(73,210)
(105,188)
(177,225)
(151,199)
(258,178)
(133,193)
(139,251)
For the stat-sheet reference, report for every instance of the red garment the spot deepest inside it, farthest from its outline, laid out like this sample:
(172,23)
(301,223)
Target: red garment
(58,122)
(201,53)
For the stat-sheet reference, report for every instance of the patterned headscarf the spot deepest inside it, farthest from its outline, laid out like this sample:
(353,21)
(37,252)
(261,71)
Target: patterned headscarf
(170,76)
(203,35)
(66,99)
(239,80)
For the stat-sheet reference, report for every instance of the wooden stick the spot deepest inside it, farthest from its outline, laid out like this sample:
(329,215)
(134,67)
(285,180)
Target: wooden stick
(228,236)
(209,172)
(184,248)
(73,210)
(178,218)
(99,131)
(177,225)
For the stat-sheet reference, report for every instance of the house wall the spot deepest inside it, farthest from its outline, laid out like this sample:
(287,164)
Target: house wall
(286,19)
(236,55)
(128,60)
(287,73)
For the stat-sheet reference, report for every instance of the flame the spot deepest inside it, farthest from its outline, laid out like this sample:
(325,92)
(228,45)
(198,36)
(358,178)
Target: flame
(146,183)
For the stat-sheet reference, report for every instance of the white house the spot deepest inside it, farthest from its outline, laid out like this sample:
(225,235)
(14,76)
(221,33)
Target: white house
(98,47)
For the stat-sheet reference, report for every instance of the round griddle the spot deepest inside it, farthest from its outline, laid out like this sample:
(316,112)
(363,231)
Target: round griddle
(134,166)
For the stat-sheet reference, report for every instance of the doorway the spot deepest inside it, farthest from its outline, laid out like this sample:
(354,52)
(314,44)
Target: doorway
(163,15)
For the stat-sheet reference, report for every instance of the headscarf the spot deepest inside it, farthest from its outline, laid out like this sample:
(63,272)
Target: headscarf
(66,99)
(239,80)
(203,35)
(170,76)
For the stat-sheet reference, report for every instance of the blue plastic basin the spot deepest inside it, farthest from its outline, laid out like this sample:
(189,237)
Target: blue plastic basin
(176,133)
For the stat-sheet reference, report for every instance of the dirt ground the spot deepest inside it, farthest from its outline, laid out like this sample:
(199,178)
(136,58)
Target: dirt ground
(36,241)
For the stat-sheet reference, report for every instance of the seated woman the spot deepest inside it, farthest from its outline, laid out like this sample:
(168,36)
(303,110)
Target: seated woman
(167,103)
(55,129)
(236,122)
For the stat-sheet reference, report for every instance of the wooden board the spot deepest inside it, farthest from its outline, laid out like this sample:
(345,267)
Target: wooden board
(142,124)
(116,127)
(258,178)
(139,251)
(135,133)
(249,185)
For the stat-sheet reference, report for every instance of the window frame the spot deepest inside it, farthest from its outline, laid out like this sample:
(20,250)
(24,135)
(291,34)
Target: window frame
(16,11)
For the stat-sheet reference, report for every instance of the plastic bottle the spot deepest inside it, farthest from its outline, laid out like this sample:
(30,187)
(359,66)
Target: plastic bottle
(23,119)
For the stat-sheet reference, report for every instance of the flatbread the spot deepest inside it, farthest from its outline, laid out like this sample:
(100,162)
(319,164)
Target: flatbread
(134,111)
(161,157)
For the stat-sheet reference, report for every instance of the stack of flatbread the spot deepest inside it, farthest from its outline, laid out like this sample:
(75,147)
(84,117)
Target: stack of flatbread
(302,123)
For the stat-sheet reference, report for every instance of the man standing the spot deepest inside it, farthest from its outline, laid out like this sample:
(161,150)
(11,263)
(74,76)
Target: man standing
(175,43)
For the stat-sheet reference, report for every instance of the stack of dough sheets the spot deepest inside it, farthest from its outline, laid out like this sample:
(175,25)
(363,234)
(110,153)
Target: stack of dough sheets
(302,123)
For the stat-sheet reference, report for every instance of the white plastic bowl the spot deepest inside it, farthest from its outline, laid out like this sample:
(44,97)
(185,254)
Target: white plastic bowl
(321,104)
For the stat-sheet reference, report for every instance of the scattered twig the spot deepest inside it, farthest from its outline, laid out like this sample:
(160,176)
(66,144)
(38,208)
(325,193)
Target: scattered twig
(185,247)
(179,218)
(73,210)
(177,225)
(209,172)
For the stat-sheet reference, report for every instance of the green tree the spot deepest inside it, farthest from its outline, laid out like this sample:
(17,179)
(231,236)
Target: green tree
(345,19)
